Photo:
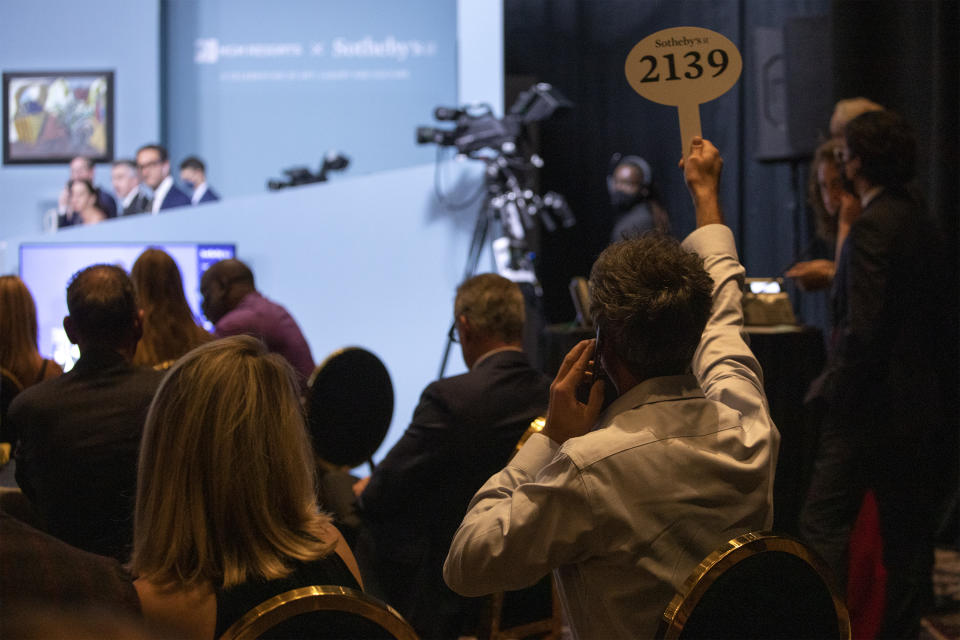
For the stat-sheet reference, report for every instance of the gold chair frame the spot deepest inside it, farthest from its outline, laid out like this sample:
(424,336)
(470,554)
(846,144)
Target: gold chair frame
(318,598)
(677,613)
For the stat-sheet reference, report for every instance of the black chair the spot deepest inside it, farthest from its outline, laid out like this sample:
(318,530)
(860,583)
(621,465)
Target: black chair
(321,612)
(759,585)
(349,406)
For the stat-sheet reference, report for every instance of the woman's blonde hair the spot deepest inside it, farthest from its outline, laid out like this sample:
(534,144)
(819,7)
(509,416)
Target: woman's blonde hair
(169,329)
(18,330)
(226,489)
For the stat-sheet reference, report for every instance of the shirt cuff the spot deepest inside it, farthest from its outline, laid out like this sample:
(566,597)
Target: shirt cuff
(537,453)
(713,238)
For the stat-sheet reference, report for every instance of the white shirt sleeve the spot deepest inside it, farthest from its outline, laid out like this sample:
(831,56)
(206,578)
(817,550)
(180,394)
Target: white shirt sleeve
(531,517)
(727,370)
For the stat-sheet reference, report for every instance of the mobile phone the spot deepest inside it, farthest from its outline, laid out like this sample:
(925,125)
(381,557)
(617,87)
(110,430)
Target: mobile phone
(594,372)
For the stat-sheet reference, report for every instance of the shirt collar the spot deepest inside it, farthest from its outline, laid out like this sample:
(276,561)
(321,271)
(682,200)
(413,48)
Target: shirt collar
(869,196)
(128,200)
(493,351)
(161,193)
(198,192)
(653,390)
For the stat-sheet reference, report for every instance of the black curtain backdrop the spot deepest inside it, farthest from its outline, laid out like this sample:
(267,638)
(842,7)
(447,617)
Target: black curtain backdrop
(900,54)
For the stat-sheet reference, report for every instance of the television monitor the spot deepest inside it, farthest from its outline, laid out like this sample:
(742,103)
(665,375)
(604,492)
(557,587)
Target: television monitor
(46,269)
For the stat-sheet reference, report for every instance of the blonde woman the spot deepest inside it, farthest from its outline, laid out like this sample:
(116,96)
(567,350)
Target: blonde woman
(226,514)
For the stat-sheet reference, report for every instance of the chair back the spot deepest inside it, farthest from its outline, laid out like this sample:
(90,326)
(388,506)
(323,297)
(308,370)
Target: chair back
(349,406)
(759,585)
(321,612)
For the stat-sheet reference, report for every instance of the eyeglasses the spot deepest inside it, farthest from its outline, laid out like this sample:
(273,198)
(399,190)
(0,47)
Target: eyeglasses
(453,335)
(147,165)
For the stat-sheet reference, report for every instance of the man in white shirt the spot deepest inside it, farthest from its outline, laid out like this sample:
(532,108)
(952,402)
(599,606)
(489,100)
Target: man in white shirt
(153,163)
(679,463)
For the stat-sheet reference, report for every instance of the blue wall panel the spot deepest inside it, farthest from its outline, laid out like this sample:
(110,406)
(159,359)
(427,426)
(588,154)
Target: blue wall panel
(59,35)
(254,87)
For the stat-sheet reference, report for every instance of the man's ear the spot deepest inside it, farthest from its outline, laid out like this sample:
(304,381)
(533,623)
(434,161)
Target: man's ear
(464,328)
(70,329)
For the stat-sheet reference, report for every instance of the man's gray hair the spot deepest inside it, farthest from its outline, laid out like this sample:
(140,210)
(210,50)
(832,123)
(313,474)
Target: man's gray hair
(651,299)
(493,305)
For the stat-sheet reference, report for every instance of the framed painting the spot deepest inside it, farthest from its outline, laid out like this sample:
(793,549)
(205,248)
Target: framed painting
(50,117)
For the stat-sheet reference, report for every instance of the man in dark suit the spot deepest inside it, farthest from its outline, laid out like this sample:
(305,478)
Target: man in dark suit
(463,430)
(153,163)
(193,174)
(888,384)
(79,434)
(126,184)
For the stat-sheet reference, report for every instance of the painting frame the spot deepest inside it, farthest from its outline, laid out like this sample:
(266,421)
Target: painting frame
(51,117)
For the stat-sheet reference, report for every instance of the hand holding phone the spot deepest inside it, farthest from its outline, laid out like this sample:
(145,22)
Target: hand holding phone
(593,373)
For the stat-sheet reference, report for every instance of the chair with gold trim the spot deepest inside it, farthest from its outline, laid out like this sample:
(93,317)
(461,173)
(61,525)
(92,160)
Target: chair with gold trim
(759,585)
(511,611)
(321,612)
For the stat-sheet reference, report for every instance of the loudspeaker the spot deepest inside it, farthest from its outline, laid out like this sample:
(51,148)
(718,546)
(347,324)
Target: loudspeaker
(793,74)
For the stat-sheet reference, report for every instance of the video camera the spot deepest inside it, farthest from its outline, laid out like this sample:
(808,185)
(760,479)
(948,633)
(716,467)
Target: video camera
(297,176)
(477,128)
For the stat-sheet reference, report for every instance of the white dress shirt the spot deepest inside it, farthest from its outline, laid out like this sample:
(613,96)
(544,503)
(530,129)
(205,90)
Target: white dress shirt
(198,192)
(160,193)
(678,466)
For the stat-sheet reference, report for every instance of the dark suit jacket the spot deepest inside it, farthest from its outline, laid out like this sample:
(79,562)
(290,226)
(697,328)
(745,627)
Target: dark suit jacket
(891,383)
(38,568)
(463,431)
(175,198)
(894,323)
(140,204)
(79,438)
(106,202)
(208,196)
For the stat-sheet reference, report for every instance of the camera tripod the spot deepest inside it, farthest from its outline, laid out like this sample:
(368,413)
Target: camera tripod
(519,212)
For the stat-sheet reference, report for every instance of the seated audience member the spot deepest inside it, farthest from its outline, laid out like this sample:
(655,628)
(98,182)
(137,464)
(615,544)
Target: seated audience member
(83,203)
(18,344)
(233,304)
(226,512)
(82,168)
(463,430)
(126,184)
(169,328)
(193,174)
(79,434)
(678,464)
(153,163)
(37,569)
(634,200)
